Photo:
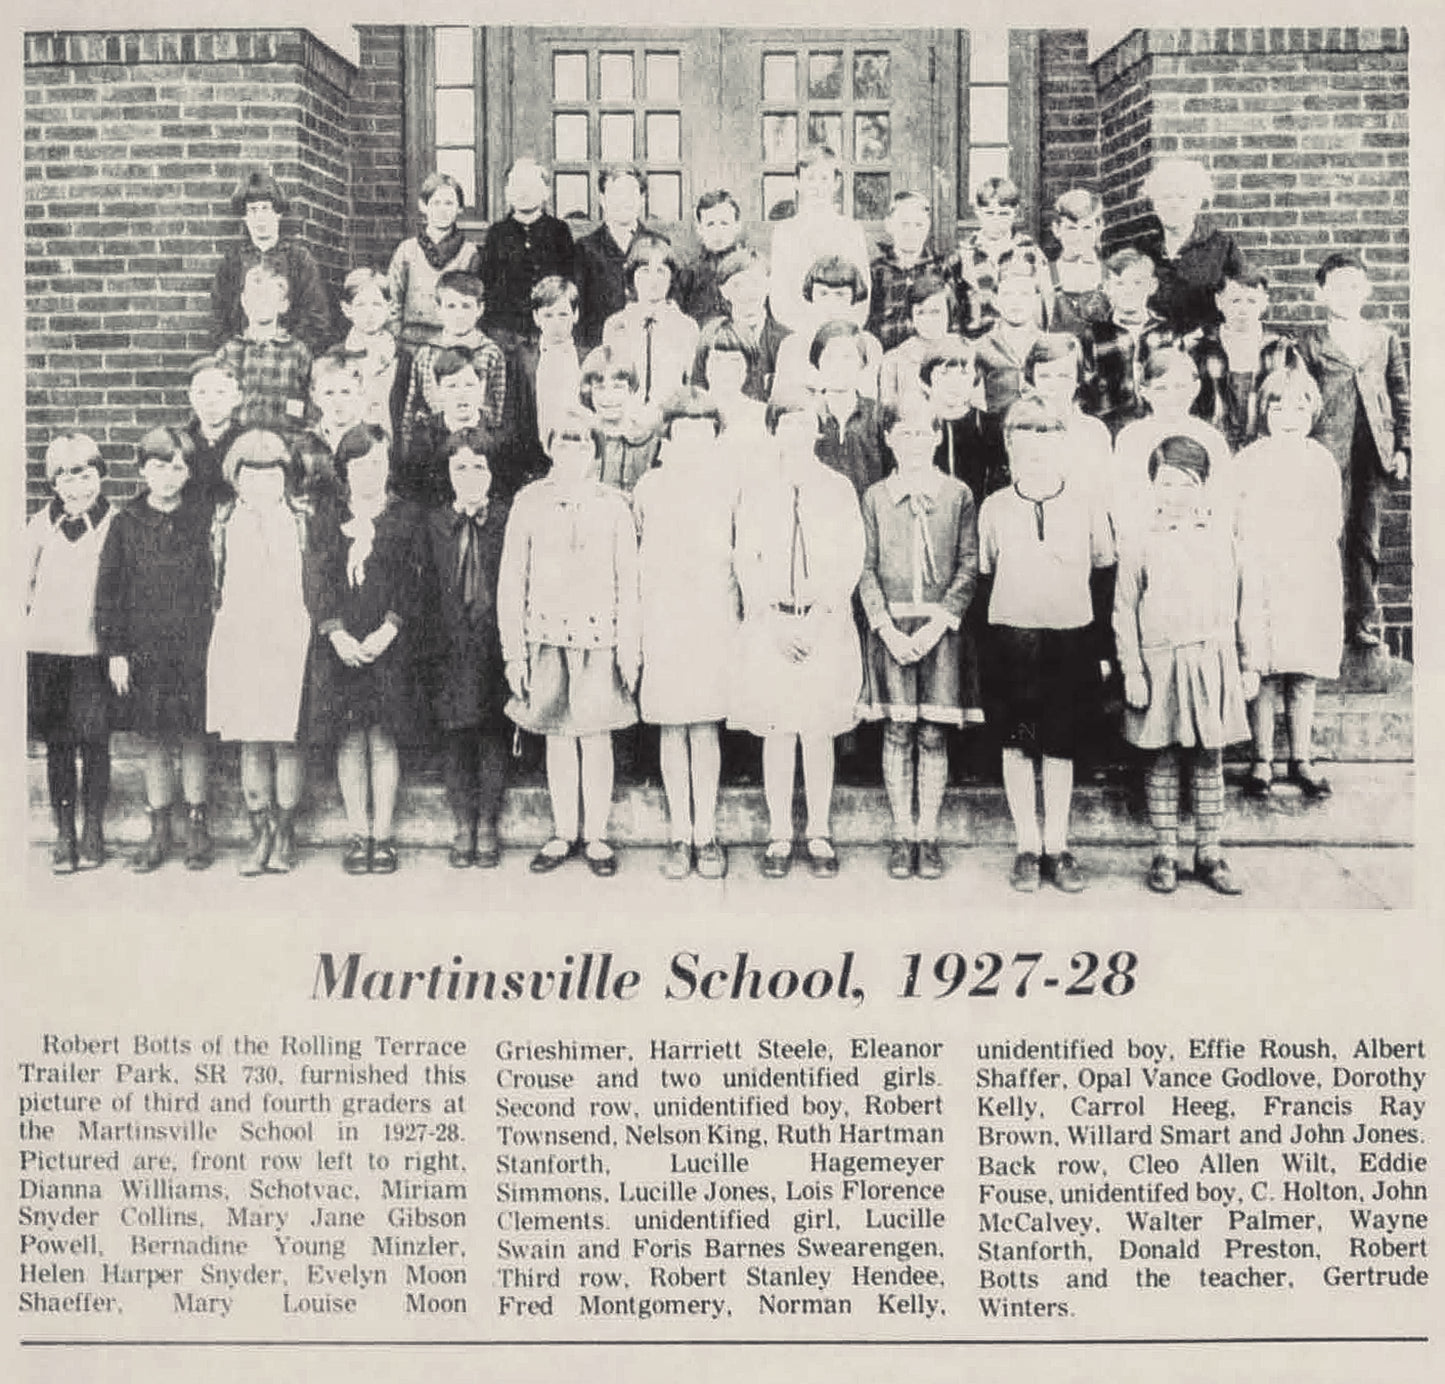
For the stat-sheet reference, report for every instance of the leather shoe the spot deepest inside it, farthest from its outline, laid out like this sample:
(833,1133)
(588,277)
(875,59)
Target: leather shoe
(463,849)
(601,859)
(552,856)
(777,859)
(1163,876)
(1218,876)
(356,860)
(383,858)
(488,854)
(1310,784)
(930,860)
(677,862)
(901,860)
(1062,871)
(822,858)
(1025,876)
(712,860)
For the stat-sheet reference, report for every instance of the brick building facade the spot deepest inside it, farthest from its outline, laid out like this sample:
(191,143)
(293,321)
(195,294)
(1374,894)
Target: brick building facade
(134,141)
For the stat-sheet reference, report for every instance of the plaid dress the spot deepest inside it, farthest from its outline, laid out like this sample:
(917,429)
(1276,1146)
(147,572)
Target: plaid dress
(274,376)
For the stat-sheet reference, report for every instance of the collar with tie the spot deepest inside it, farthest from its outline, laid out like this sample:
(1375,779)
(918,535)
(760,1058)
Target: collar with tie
(467,526)
(919,494)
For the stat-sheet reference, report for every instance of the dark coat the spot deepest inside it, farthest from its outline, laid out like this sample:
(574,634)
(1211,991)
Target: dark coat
(1380,384)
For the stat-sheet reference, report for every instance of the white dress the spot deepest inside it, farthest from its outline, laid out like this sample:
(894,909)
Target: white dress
(257,664)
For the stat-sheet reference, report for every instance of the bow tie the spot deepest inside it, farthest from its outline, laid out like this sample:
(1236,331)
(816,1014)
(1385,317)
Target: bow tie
(469,554)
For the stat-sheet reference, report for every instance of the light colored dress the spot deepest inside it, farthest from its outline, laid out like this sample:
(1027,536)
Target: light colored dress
(257,664)
(1289,523)
(690,603)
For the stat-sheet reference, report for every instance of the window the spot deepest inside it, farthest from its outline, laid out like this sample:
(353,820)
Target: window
(454,106)
(986,154)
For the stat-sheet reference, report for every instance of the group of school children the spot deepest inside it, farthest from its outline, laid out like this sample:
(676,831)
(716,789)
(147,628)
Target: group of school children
(555,486)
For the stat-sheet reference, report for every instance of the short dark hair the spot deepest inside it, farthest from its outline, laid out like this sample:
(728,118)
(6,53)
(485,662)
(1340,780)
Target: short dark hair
(459,281)
(163,443)
(835,271)
(837,330)
(689,403)
(357,441)
(648,247)
(1052,346)
(480,439)
(452,361)
(622,170)
(951,350)
(1340,259)
(718,197)
(553,289)
(792,403)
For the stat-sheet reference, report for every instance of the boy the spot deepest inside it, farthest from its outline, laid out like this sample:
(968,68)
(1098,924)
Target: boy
(978,264)
(1364,423)
(336,402)
(602,255)
(652,329)
(215,399)
(461,300)
(383,367)
(719,224)
(527,245)
(902,261)
(1001,354)
(1077,276)
(271,366)
(1115,346)
(546,374)
(1235,355)
(817,230)
(742,280)
(262,204)
(69,703)
(419,262)
(1041,540)
(421,471)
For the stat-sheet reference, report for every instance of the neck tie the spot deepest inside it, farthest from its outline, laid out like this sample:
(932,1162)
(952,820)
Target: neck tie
(798,549)
(925,569)
(647,327)
(469,556)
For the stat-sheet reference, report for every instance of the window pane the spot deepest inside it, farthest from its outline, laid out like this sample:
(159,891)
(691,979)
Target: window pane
(986,163)
(569,190)
(826,129)
(664,196)
(462,165)
(779,196)
(871,78)
(780,139)
(988,115)
(988,55)
(664,137)
(456,116)
(872,196)
(780,77)
(569,76)
(872,137)
(664,77)
(614,71)
(454,50)
(618,143)
(825,76)
(570,138)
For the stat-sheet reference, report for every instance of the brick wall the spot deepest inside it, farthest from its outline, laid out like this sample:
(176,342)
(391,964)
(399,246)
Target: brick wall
(378,172)
(1306,135)
(1068,117)
(134,143)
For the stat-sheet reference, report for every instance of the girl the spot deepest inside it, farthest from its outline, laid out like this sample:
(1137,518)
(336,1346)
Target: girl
(627,444)
(684,511)
(464,542)
(257,665)
(1040,540)
(722,370)
(567,609)
(363,576)
(420,261)
(153,623)
(69,701)
(850,440)
(931,310)
(1177,622)
(919,568)
(1290,525)
(798,556)
(652,330)
(1053,368)
(383,369)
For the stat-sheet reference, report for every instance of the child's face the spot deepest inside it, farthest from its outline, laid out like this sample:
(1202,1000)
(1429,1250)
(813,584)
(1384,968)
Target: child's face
(651,280)
(1172,394)
(832,300)
(460,396)
(913,441)
(165,477)
(746,291)
(995,220)
(611,396)
(263,222)
(1079,239)
(1240,306)
(717,228)
(1017,300)
(555,322)
(215,396)
(930,317)
(441,210)
(337,396)
(622,201)
(1345,292)
(1130,291)
(727,372)
(78,485)
(817,184)
(1176,204)
(797,436)
(839,365)
(264,298)
(471,477)
(1176,494)
(261,485)
(368,309)
(526,189)
(690,437)
(951,390)
(908,227)
(1057,380)
(1036,460)
(366,474)
(573,455)
(1289,416)
(459,312)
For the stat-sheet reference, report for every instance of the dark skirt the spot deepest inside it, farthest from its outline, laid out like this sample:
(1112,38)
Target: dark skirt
(1037,683)
(167,694)
(69,698)
(341,700)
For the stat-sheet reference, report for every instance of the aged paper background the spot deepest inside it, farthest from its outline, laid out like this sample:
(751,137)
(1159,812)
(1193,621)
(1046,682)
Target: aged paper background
(191,966)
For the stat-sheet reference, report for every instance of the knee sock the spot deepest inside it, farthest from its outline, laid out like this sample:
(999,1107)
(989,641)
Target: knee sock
(1161,786)
(1300,703)
(1021,790)
(932,778)
(1208,794)
(898,776)
(491,777)
(459,772)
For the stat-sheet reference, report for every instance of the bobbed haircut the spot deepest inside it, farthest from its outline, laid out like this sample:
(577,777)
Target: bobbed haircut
(835,271)
(261,449)
(1031,412)
(690,403)
(837,330)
